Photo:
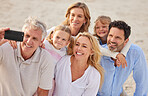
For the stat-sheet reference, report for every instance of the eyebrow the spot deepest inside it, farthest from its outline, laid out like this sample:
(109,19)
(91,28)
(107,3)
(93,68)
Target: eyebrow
(81,43)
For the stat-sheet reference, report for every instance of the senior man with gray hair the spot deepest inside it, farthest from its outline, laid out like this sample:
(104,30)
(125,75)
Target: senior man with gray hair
(28,69)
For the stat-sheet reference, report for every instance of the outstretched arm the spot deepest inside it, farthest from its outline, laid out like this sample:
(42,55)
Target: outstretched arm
(121,56)
(2,32)
(126,48)
(116,55)
(107,52)
(2,40)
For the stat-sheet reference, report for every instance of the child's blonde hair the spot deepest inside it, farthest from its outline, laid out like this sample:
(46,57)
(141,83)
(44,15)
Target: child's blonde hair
(62,28)
(104,20)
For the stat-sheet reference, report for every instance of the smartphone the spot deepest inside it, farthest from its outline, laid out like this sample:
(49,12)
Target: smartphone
(14,35)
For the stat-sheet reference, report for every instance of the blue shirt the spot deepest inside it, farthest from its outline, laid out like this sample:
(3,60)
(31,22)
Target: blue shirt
(115,77)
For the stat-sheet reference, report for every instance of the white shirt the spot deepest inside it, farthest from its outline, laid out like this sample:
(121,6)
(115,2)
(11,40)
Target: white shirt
(55,53)
(19,77)
(87,85)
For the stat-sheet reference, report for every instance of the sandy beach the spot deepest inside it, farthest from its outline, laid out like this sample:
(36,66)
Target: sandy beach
(52,12)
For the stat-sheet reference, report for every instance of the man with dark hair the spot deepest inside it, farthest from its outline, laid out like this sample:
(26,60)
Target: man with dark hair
(115,77)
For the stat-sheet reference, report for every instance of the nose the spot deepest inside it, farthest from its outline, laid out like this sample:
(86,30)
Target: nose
(75,18)
(112,39)
(59,40)
(79,47)
(29,41)
(100,28)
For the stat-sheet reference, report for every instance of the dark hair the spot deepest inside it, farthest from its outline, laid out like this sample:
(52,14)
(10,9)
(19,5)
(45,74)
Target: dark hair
(121,25)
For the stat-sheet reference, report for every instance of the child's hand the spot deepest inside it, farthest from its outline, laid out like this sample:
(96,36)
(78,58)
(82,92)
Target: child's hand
(42,45)
(2,32)
(118,63)
(121,60)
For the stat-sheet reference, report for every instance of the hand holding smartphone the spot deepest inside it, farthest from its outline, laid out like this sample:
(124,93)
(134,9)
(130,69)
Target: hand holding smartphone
(14,35)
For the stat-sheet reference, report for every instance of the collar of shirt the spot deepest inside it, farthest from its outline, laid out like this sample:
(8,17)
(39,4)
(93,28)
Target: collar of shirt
(35,58)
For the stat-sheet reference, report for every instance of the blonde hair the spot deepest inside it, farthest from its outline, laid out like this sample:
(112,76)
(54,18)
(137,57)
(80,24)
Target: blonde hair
(104,20)
(93,59)
(62,28)
(33,22)
(85,9)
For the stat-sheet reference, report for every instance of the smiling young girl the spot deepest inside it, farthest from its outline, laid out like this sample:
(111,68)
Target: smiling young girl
(57,41)
(101,32)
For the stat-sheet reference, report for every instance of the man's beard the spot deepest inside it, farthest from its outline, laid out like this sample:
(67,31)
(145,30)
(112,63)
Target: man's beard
(116,49)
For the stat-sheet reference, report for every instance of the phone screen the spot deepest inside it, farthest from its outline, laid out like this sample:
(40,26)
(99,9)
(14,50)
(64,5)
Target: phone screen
(14,35)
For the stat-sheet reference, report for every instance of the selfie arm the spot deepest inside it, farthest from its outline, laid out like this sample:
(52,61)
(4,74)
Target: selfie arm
(2,32)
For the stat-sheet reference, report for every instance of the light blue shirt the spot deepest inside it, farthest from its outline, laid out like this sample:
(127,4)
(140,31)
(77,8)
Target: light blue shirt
(115,77)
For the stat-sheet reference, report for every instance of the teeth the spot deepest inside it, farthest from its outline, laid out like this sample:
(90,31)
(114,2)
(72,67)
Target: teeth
(74,23)
(113,44)
(28,46)
(79,53)
(101,32)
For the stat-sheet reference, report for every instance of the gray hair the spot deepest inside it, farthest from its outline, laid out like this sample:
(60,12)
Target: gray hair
(32,22)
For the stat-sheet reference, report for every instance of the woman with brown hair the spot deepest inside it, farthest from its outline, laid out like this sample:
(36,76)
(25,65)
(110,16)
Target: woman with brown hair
(77,18)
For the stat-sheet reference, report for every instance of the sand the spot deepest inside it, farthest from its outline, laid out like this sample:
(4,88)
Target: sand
(52,12)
